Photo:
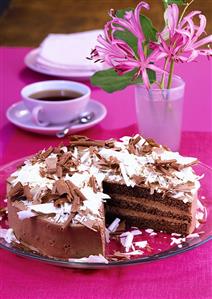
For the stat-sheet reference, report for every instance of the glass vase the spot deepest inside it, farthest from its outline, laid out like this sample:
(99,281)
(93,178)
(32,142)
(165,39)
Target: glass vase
(159,112)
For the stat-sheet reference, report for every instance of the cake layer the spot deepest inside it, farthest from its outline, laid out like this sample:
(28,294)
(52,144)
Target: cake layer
(144,193)
(145,220)
(50,239)
(147,206)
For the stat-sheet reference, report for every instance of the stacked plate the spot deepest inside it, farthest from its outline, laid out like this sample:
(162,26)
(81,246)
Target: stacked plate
(65,55)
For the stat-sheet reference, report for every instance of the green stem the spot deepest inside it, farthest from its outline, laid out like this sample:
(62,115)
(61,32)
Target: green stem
(145,50)
(170,74)
(165,4)
(163,76)
(184,10)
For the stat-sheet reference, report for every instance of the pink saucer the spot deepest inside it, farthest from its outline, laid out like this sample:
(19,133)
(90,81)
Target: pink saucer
(20,116)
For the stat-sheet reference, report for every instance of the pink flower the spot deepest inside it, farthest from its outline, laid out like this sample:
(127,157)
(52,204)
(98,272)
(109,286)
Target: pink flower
(118,54)
(180,39)
(131,21)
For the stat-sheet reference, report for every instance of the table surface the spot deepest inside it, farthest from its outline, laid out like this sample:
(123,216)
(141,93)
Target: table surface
(187,275)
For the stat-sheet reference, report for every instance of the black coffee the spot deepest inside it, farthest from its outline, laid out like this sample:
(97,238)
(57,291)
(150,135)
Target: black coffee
(55,95)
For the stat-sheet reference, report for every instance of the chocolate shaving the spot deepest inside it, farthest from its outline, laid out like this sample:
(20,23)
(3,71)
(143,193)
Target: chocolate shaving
(59,171)
(50,176)
(88,143)
(68,221)
(64,158)
(135,140)
(139,180)
(78,137)
(131,149)
(45,154)
(48,196)
(152,142)
(3,212)
(17,192)
(132,145)
(190,164)
(79,193)
(166,148)
(42,155)
(184,187)
(57,149)
(146,149)
(163,170)
(27,193)
(78,197)
(93,184)
(74,209)
(109,143)
(75,205)
(60,201)
(60,187)
(42,172)
(51,164)
(91,224)
(160,162)
(179,167)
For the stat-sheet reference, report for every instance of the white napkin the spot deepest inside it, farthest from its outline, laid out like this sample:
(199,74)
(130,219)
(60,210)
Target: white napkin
(69,51)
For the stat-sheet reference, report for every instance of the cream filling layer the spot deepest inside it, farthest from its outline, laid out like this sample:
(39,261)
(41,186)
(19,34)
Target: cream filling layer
(145,216)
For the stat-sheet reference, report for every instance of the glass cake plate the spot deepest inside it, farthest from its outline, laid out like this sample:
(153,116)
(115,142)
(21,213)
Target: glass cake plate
(159,245)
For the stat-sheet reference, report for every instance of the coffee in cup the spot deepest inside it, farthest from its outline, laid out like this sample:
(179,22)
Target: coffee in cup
(55,101)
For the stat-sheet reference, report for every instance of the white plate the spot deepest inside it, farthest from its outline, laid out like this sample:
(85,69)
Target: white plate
(21,117)
(31,62)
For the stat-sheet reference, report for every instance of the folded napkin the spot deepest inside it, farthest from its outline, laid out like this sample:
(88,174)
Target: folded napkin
(69,51)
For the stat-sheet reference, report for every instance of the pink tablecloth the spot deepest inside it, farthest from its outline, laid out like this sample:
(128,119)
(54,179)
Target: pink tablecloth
(188,275)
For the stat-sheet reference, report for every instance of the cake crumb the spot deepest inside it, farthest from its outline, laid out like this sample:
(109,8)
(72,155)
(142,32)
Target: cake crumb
(114,225)
(91,259)
(194,235)
(141,244)
(149,230)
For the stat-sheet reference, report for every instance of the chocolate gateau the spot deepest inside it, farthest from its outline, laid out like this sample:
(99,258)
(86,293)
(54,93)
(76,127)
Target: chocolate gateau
(58,199)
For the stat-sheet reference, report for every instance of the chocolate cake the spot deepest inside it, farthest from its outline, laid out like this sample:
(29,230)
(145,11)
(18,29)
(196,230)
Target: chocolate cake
(57,200)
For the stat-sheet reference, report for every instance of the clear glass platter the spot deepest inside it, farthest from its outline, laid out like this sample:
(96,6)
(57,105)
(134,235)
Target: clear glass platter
(160,245)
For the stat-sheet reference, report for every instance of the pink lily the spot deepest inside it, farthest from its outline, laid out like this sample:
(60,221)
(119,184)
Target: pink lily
(183,43)
(131,21)
(118,54)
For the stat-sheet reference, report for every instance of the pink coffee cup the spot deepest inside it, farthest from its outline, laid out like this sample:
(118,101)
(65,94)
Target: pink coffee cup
(46,110)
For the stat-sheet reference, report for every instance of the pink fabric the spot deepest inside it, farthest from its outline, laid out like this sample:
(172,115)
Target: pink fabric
(188,275)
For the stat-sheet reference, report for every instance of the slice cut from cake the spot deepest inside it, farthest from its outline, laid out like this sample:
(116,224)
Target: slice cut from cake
(56,199)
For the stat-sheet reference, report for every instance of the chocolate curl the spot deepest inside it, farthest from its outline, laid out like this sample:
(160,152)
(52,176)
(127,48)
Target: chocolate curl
(93,184)
(152,142)
(60,187)
(132,144)
(27,193)
(78,137)
(16,192)
(165,162)
(59,171)
(74,209)
(65,157)
(43,155)
(135,140)
(78,197)
(88,143)
(179,167)
(51,164)
(3,212)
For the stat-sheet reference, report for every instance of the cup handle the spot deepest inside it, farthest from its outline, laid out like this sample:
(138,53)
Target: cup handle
(35,116)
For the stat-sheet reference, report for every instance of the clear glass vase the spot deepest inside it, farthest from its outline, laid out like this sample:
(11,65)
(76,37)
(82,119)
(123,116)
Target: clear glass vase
(159,112)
